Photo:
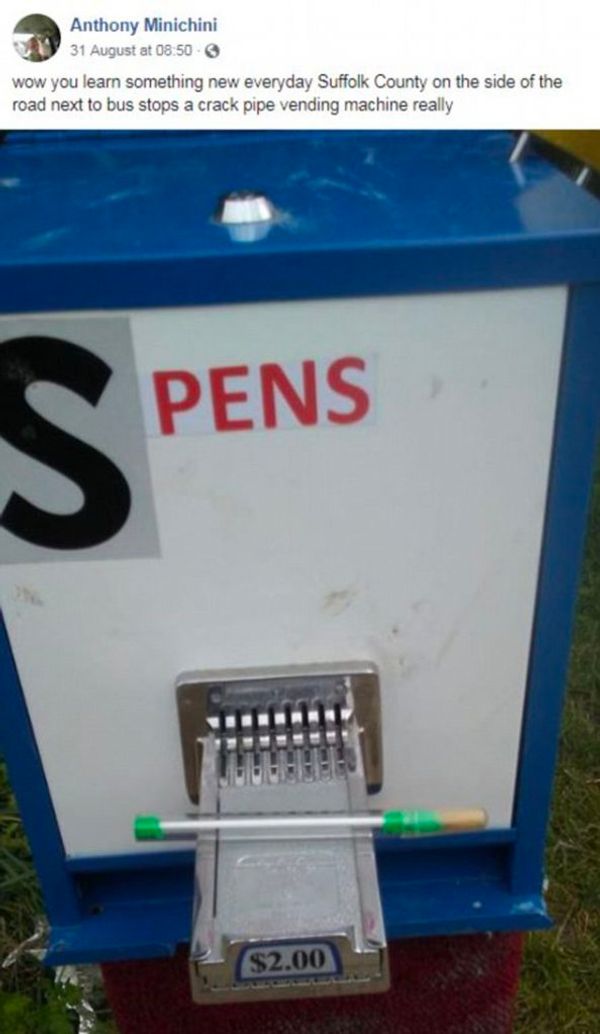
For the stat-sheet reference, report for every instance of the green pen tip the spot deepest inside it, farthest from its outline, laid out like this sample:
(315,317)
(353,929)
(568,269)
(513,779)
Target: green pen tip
(406,822)
(147,827)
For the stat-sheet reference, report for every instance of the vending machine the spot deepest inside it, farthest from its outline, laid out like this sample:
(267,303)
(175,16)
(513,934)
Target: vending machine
(297,435)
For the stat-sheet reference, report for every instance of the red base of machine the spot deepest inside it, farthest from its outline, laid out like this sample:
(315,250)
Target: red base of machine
(440,985)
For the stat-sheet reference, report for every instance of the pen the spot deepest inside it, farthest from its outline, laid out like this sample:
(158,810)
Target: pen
(394,823)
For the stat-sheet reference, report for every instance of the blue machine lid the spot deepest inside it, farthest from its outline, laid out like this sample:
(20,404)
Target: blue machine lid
(125,220)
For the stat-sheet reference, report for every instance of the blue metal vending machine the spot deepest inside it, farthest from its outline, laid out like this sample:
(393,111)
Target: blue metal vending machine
(297,435)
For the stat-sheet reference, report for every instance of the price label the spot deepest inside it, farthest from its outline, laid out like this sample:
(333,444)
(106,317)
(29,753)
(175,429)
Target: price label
(288,960)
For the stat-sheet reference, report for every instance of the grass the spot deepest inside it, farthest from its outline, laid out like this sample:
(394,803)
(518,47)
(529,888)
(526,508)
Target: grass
(560,987)
(31,1002)
(19,895)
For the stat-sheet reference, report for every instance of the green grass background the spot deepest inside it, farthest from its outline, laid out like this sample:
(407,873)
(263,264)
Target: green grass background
(560,987)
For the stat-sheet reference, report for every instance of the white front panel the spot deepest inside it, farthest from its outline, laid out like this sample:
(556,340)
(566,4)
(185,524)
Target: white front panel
(410,538)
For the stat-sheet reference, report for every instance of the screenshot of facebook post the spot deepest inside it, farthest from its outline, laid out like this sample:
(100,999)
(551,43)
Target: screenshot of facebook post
(299,382)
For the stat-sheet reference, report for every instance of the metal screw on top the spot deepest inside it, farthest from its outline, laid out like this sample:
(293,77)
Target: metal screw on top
(248,215)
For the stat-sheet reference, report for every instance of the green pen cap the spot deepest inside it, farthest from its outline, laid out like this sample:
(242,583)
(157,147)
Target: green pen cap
(147,827)
(398,822)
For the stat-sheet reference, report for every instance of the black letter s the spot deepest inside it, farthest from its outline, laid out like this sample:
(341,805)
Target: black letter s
(107,499)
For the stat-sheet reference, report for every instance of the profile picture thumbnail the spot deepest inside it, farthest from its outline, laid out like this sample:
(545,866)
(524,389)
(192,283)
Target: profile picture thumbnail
(36,37)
